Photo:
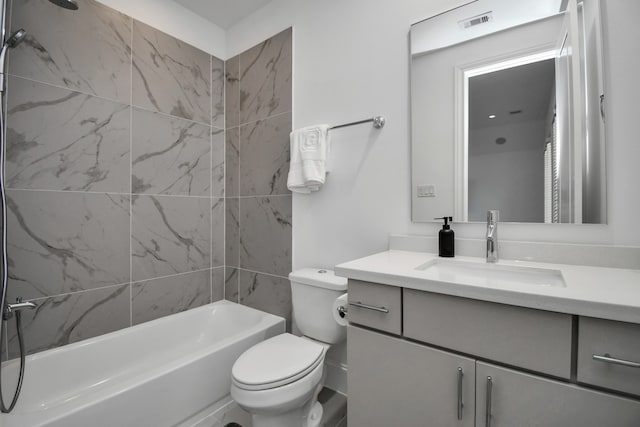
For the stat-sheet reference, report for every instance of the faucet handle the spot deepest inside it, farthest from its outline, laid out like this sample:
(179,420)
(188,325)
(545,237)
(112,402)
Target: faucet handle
(493,216)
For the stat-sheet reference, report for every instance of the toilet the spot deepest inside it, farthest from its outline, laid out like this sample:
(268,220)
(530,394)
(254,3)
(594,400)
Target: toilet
(278,380)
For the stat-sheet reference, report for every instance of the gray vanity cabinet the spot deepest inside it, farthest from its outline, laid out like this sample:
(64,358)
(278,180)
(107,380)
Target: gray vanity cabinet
(519,399)
(394,382)
(410,378)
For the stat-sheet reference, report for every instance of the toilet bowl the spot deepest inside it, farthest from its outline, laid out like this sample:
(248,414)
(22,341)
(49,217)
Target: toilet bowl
(278,380)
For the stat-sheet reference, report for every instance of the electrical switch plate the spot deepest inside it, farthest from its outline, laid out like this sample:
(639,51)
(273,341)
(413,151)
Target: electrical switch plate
(427,190)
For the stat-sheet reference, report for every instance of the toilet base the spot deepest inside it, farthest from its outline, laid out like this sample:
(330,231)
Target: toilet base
(307,415)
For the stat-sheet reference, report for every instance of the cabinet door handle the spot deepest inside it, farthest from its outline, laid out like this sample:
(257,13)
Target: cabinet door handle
(369,307)
(488,404)
(460,405)
(612,360)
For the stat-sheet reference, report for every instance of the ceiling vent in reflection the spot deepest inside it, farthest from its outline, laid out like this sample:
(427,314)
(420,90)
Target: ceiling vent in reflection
(476,20)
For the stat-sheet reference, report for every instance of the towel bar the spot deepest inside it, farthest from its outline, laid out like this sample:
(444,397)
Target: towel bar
(378,123)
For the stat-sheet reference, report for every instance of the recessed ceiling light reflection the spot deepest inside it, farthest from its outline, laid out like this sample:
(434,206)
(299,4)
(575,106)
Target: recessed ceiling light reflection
(492,116)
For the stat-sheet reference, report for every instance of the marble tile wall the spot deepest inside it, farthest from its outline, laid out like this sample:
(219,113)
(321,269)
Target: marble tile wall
(258,205)
(115,171)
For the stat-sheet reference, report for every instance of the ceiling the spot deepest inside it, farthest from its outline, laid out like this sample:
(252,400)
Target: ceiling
(223,13)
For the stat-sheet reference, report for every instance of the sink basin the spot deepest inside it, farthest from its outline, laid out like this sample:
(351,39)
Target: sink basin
(478,273)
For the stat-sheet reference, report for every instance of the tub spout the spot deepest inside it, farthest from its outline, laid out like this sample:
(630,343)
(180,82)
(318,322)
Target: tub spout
(17,306)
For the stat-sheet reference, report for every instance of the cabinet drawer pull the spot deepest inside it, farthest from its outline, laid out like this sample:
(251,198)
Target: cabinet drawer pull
(369,307)
(460,405)
(488,407)
(608,359)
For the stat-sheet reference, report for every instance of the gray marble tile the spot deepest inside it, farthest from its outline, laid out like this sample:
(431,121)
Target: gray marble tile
(217,93)
(169,235)
(87,50)
(156,298)
(217,162)
(217,284)
(232,92)
(232,162)
(63,140)
(232,232)
(169,75)
(265,78)
(170,155)
(264,156)
(61,242)
(265,234)
(217,232)
(267,293)
(69,318)
(231,284)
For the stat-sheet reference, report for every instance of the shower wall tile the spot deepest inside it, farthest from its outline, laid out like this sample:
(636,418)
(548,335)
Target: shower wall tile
(61,242)
(169,235)
(217,162)
(265,234)
(217,93)
(86,50)
(170,155)
(232,162)
(232,232)
(231,284)
(170,76)
(265,78)
(264,156)
(267,293)
(63,140)
(217,232)
(66,319)
(232,92)
(156,298)
(217,284)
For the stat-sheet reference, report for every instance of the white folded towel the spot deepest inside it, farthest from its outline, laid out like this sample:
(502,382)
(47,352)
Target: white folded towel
(310,150)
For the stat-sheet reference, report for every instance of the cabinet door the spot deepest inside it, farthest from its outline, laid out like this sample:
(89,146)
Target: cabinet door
(518,399)
(393,382)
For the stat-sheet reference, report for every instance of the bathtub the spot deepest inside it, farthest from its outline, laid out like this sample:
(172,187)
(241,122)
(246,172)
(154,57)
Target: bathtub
(171,371)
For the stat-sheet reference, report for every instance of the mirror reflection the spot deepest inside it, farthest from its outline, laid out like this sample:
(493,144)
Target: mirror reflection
(507,114)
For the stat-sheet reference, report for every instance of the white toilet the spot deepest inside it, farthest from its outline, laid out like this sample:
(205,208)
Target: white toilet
(278,380)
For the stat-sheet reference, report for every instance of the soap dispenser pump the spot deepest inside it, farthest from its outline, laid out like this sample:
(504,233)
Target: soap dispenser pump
(446,247)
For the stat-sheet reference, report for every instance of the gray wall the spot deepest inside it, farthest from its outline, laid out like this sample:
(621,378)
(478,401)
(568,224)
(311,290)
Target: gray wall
(258,204)
(115,173)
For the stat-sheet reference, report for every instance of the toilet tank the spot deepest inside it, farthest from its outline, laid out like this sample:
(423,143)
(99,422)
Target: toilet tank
(313,292)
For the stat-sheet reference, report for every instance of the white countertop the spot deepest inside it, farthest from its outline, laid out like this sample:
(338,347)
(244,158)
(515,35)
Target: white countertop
(607,293)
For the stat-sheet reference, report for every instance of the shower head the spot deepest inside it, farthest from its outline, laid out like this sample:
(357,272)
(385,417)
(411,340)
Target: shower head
(16,38)
(67,4)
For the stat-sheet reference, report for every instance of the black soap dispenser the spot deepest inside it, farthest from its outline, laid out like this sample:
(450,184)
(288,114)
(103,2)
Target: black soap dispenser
(445,239)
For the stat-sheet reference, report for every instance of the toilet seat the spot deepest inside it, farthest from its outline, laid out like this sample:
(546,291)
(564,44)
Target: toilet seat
(276,362)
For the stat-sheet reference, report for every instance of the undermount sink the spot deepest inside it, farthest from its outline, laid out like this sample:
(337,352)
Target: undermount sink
(488,274)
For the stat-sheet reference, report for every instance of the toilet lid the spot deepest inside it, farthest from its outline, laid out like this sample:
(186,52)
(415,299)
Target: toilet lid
(276,362)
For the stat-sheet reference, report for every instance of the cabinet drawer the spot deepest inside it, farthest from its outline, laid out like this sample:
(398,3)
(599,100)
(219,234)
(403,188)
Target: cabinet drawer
(375,306)
(531,339)
(621,342)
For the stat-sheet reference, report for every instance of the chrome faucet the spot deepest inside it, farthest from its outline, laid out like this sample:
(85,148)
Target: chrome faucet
(492,235)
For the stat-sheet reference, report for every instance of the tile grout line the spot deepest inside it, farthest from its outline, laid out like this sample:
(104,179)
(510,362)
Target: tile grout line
(115,101)
(211,177)
(131,176)
(224,180)
(239,92)
(111,192)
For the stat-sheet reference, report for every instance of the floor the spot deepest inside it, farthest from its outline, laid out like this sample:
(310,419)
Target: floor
(333,403)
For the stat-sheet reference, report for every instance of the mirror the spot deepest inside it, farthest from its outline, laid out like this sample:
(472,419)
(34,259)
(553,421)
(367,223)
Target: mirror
(507,113)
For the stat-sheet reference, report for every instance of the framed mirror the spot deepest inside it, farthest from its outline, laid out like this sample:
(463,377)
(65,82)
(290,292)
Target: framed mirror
(507,113)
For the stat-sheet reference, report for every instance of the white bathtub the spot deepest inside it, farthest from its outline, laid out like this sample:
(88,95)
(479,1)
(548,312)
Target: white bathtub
(165,372)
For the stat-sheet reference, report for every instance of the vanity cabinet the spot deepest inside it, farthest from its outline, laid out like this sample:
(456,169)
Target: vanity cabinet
(394,382)
(532,358)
